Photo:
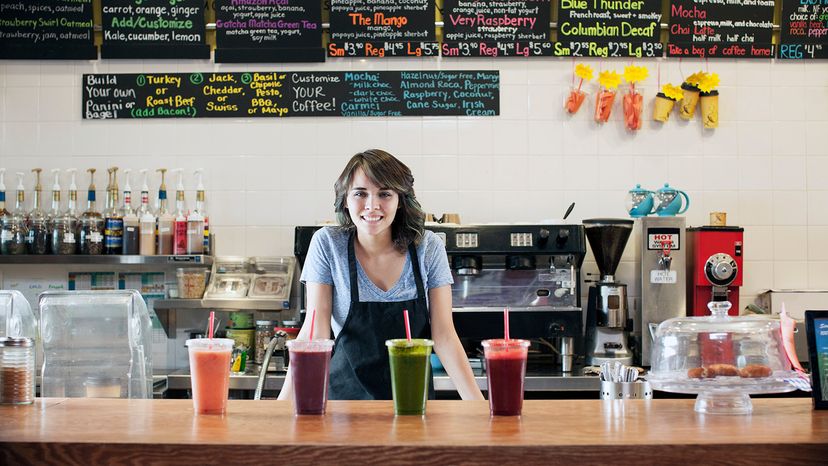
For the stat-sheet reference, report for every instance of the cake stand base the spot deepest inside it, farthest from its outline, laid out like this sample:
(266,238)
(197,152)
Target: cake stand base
(723,403)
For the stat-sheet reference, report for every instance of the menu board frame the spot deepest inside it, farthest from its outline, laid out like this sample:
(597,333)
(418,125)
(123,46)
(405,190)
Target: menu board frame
(600,32)
(504,25)
(306,48)
(124,43)
(62,49)
(690,17)
(291,94)
(803,17)
(382,28)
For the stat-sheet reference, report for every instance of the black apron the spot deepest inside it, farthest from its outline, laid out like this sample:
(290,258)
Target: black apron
(359,365)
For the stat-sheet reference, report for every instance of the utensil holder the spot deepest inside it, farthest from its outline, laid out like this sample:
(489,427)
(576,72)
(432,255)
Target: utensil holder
(639,390)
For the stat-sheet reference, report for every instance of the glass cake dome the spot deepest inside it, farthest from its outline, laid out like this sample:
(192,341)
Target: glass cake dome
(721,358)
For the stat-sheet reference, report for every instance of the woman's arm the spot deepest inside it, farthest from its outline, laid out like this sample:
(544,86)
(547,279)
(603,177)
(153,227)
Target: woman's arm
(320,298)
(447,344)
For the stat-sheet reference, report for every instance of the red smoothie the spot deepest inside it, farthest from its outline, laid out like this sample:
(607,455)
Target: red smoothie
(309,368)
(506,368)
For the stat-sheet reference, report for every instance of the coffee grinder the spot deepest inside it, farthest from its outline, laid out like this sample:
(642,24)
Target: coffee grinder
(714,267)
(607,309)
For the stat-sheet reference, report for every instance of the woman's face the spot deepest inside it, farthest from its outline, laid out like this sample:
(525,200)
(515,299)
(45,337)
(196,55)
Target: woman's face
(372,208)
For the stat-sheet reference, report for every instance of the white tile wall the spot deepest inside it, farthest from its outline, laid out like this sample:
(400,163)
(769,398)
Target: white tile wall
(767,164)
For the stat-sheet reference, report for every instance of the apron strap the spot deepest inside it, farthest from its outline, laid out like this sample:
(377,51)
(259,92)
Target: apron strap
(352,269)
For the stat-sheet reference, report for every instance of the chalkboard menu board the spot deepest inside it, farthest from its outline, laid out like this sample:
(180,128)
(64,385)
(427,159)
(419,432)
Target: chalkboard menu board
(721,28)
(496,28)
(287,94)
(609,28)
(47,29)
(382,28)
(153,29)
(260,31)
(804,31)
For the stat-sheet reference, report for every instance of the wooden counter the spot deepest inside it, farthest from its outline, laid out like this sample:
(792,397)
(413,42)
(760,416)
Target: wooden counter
(84,431)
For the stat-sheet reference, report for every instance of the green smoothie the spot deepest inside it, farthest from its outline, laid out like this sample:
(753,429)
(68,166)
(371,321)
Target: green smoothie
(410,371)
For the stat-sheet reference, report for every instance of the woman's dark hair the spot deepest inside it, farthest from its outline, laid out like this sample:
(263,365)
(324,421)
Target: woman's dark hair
(384,170)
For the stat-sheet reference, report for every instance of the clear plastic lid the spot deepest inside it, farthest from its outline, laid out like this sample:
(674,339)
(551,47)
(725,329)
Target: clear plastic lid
(16,316)
(92,335)
(718,347)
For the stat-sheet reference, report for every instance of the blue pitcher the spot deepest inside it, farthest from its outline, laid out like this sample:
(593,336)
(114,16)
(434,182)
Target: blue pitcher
(668,201)
(640,202)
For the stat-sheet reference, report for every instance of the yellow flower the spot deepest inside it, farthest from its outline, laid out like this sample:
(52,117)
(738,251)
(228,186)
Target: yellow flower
(694,78)
(609,79)
(709,82)
(672,92)
(583,71)
(634,74)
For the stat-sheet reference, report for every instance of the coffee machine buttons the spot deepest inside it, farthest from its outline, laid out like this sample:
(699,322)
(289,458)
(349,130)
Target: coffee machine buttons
(520,240)
(720,269)
(466,240)
(563,237)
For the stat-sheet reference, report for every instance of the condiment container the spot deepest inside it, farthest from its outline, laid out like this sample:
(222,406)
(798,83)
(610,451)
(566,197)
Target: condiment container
(17,361)
(191,282)
(264,333)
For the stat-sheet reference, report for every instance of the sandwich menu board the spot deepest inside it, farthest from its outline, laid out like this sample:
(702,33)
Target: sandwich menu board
(47,29)
(259,31)
(609,28)
(288,94)
(381,28)
(153,29)
(495,28)
(804,29)
(721,28)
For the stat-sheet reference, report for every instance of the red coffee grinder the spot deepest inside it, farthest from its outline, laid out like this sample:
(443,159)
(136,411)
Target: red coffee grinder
(714,261)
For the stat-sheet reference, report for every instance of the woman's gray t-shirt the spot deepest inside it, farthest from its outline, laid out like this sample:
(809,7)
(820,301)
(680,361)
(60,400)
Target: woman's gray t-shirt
(327,263)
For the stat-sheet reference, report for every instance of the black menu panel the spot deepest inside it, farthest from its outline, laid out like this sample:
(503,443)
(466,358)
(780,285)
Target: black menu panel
(804,29)
(153,29)
(496,28)
(382,28)
(609,28)
(721,28)
(288,94)
(268,31)
(47,29)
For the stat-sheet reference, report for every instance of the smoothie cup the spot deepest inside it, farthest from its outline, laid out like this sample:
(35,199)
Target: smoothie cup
(505,371)
(309,368)
(410,371)
(210,373)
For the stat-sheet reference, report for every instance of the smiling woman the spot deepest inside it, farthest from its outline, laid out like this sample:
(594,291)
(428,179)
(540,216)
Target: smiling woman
(361,276)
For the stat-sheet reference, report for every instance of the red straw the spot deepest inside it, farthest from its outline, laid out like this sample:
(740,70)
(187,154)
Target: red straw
(407,325)
(313,320)
(212,319)
(506,322)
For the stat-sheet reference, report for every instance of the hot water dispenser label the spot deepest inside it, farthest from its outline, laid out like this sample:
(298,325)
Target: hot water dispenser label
(663,277)
(662,238)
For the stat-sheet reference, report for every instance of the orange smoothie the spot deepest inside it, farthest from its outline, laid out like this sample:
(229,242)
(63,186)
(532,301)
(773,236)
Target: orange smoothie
(210,376)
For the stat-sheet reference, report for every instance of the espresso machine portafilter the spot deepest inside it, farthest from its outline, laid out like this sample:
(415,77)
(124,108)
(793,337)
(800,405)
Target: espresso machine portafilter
(607,309)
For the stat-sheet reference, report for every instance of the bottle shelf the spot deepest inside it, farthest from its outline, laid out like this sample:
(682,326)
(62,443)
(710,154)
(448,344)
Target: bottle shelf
(75,259)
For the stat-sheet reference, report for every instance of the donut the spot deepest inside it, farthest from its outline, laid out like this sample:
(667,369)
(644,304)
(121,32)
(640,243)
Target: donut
(697,373)
(722,370)
(753,371)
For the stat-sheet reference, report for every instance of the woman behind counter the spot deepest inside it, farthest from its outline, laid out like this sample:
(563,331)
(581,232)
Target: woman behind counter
(361,275)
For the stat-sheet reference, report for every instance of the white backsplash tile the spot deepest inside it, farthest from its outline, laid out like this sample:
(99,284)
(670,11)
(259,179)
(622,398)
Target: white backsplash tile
(765,165)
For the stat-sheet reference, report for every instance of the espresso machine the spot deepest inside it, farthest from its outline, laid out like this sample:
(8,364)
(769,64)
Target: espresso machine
(714,271)
(535,270)
(663,276)
(607,327)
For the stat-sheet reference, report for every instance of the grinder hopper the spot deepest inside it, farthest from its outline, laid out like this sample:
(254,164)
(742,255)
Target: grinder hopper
(607,239)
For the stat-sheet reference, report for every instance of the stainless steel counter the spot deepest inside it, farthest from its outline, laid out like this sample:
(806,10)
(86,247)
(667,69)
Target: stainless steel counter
(180,380)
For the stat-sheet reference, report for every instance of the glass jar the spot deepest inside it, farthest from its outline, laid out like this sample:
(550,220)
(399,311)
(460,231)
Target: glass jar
(17,361)
(264,333)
